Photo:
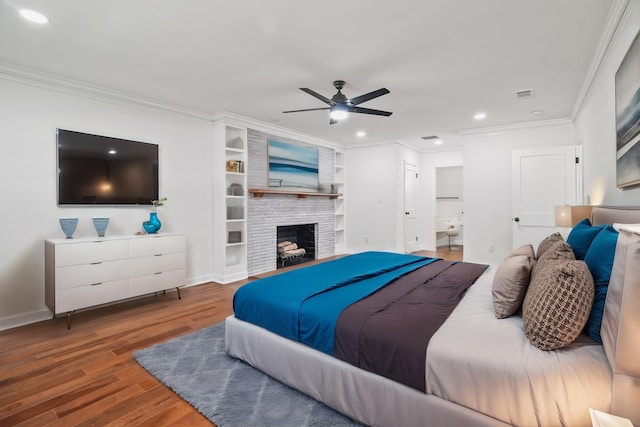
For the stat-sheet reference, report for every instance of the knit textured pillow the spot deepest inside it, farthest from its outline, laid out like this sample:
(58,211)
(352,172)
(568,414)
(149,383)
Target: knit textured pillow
(558,251)
(557,304)
(548,242)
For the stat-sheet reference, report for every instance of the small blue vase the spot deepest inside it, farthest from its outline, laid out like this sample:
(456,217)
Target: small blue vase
(100,225)
(68,226)
(153,225)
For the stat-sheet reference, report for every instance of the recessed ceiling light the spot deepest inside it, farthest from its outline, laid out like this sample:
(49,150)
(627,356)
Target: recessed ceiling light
(33,16)
(361,134)
(480,116)
(437,142)
(112,151)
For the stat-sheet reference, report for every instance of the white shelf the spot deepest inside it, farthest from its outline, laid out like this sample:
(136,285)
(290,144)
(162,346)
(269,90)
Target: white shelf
(338,180)
(230,202)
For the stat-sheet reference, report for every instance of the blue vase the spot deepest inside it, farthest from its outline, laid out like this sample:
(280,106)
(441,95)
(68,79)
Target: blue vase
(153,225)
(100,225)
(68,226)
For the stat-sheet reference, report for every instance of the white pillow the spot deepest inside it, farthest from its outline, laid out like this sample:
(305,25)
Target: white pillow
(635,228)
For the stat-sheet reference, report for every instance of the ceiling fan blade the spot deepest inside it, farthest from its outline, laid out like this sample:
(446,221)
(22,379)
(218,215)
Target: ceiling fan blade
(317,95)
(333,121)
(370,111)
(307,109)
(368,96)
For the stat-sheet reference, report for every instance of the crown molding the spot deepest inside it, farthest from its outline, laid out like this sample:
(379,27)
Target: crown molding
(618,16)
(71,87)
(515,127)
(238,120)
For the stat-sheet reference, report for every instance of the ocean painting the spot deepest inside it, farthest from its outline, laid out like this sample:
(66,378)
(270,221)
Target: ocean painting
(628,118)
(292,166)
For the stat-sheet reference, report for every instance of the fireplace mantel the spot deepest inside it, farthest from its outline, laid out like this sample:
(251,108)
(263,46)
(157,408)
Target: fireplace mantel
(260,192)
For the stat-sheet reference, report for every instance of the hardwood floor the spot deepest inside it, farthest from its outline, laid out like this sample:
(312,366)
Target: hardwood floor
(86,376)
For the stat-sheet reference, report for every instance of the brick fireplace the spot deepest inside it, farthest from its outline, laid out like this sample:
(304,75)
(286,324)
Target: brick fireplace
(266,213)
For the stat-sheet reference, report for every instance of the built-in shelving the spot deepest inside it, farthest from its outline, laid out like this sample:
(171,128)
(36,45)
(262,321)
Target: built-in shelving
(338,187)
(230,206)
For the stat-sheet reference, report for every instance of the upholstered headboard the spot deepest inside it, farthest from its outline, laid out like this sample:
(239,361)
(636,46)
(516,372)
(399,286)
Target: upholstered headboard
(615,214)
(621,320)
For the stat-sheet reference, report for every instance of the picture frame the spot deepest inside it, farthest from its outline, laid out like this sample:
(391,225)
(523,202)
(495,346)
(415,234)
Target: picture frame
(233,166)
(627,92)
(292,165)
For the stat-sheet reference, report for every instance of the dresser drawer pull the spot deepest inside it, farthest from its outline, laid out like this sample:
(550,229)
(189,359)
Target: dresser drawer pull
(96,263)
(158,255)
(96,284)
(159,272)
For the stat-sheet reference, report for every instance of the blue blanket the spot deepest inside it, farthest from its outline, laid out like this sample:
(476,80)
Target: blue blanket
(304,304)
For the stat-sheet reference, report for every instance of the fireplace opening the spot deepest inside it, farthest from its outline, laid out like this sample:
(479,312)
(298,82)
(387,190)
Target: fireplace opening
(296,244)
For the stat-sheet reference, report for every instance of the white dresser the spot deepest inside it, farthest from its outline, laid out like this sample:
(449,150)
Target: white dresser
(85,272)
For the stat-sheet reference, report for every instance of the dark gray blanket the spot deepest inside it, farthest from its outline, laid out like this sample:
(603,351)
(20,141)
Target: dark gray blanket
(388,332)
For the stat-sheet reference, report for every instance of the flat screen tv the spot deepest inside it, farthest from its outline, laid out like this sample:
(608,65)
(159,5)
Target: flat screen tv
(100,170)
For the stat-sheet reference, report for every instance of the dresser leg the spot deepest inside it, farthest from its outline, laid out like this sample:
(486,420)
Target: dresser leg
(69,319)
(179,296)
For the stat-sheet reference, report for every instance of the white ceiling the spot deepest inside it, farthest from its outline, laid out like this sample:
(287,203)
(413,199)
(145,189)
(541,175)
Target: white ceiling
(442,60)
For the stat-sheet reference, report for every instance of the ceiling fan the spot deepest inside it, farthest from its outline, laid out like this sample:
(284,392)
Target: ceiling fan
(341,106)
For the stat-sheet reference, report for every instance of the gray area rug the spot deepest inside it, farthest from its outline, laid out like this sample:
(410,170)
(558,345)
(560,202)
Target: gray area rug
(227,391)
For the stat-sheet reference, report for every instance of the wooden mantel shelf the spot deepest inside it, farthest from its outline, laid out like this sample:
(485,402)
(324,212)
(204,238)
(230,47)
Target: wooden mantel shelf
(259,192)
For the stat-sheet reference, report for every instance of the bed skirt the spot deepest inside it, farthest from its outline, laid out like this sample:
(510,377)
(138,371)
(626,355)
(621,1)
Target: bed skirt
(361,395)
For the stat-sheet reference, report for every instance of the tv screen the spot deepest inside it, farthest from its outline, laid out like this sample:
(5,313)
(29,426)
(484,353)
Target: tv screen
(99,170)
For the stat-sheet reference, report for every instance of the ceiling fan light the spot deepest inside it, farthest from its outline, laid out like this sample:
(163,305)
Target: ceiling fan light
(338,113)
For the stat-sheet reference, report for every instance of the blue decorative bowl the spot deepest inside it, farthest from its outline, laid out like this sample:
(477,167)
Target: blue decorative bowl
(68,226)
(100,225)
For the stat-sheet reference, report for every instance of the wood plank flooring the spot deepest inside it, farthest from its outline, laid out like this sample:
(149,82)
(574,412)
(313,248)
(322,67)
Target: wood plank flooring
(86,376)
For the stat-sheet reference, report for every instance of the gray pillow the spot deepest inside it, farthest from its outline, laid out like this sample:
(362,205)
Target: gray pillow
(510,284)
(525,250)
(557,304)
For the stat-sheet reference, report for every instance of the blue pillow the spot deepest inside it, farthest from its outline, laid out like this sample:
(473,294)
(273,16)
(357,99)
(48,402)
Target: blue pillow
(581,236)
(599,259)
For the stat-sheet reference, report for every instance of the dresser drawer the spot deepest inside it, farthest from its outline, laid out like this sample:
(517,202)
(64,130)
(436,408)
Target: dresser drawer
(156,245)
(85,296)
(90,274)
(156,282)
(88,252)
(157,263)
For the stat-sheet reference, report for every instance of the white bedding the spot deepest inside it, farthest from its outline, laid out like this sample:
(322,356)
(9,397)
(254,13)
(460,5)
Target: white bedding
(488,365)
(488,374)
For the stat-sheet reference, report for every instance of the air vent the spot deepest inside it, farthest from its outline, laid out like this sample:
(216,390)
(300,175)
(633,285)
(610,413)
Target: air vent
(523,94)
(429,138)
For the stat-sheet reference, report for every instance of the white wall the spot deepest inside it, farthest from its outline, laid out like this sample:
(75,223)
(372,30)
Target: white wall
(487,184)
(29,116)
(595,124)
(371,211)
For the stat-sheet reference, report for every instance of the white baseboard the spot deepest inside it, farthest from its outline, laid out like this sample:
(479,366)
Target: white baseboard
(9,322)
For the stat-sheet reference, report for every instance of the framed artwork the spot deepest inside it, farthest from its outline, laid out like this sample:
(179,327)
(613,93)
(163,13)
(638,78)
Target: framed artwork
(628,118)
(292,166)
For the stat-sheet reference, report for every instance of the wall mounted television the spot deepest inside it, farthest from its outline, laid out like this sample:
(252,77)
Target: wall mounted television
(100,170)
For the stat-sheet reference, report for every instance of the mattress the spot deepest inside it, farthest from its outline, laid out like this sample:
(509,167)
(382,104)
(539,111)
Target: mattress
(488,365)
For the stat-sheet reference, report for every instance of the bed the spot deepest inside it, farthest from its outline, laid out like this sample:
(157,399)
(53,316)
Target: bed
(478,370)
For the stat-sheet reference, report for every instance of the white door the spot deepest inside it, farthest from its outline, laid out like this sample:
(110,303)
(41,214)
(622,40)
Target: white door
(410,222)
(543,178)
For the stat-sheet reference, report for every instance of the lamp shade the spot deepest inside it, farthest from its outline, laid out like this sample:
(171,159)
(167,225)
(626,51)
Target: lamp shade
(568,216)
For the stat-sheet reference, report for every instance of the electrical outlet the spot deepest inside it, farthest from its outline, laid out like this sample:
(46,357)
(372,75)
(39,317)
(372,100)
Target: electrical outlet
(492,248)
(366,239)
